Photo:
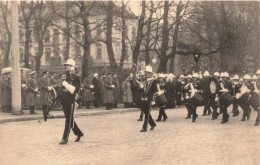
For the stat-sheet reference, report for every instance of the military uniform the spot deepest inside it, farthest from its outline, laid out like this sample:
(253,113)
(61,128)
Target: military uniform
(88,89)
(109,99)
(67,101)
(235,90)
(31,94)
(7,95)
(44,85)
(224,100)
(147,93)
(97,92)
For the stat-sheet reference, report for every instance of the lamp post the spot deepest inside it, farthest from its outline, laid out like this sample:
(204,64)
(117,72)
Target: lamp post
(16,73)
(196,59)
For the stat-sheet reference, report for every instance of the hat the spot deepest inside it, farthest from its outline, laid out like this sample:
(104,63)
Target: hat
(216,74)
(148,68)
(247,77)
(171,75)
(71,62)
(236,77)
(224,74)
(206,73)
(32,72)
(182,76)
(7,70)
(195,75)
(254,77)
(96,74)
(258,72)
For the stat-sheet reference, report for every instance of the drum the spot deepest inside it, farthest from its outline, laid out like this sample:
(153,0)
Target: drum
(226,99)
(254,101)
(208,85)
(160,100)
(197,100)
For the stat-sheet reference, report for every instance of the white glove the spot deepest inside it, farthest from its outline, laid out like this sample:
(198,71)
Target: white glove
(113,86)
(23,85)
(91,86)
(69,87)
(49,88)
(141,86)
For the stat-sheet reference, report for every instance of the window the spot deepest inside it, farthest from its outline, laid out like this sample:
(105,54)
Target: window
(99,31)
(98,51)
(47,36)
(47,54)
(55,36)
(126,51)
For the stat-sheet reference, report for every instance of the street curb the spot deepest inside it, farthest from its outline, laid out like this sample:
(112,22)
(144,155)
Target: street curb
(39,117)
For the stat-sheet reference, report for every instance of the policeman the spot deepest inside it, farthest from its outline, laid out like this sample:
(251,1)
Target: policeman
(70,89)
(147,90)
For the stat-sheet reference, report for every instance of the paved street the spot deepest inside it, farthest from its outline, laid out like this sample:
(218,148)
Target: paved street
(115,139)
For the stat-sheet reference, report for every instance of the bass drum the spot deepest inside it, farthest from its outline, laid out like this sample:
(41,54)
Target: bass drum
(197,99)
(209,85)
(226,99)
(254,101)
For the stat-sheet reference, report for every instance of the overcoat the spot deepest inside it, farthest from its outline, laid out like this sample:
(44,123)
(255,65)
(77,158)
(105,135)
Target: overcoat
(127,93)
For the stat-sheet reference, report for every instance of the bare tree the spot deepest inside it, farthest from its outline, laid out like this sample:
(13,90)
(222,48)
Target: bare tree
(5,15)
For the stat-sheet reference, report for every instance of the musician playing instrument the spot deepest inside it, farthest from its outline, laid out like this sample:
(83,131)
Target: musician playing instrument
(236,85)
(187,94)
(225,97)
(147,90)
(206,106)
(70,89)
(161,86)
(244,95)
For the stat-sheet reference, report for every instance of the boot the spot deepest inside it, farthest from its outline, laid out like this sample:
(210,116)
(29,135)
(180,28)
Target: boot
(194,116)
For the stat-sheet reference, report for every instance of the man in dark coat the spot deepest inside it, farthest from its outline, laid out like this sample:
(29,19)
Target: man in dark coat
(44,88)
(170,91)
(116,89)
(109,97)
(70,89)
(88,90)
(32,91)
(97,91)
(7,90)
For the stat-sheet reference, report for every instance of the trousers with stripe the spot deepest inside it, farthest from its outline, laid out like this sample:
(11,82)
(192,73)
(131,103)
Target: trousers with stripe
(68,110)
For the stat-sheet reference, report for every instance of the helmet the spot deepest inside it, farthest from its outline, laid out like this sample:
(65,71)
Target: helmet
(247,77)
(170,75)
(70,62)
(216,74)
(148,68)
(7,70)
(96,74)
(32,72)
(206,73)
(195,75)
(258,72)
(236,77)
(224,74)
(254,77)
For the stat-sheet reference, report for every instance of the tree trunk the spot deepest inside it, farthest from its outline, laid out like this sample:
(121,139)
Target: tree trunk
(86,54)
(165,40)
(7,53)
(123,38)
(139,36)
(27,45)
(175,36)
(67,33)
(109,45)
(38,57)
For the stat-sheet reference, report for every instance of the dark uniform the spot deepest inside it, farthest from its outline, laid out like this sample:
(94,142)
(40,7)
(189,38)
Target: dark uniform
(67,101)
(235,90)
(161,105)
(31,94)
(170,94)
(224,100)
(44,84)
(97,92)
(258,109)
(187,94)
(146,99)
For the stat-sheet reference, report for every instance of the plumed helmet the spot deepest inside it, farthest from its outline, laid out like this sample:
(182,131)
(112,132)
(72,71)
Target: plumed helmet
(258,72)
(148,68)
(206,73)
(216,74)
(195,75)
(7,70)
(236,77)
(247,77)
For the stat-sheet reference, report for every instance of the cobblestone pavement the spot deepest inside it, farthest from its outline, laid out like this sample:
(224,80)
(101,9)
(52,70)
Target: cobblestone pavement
(115,139)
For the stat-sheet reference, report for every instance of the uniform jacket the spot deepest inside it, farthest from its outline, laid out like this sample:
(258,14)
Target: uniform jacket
(43,88)
(31,94)
(65,96)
